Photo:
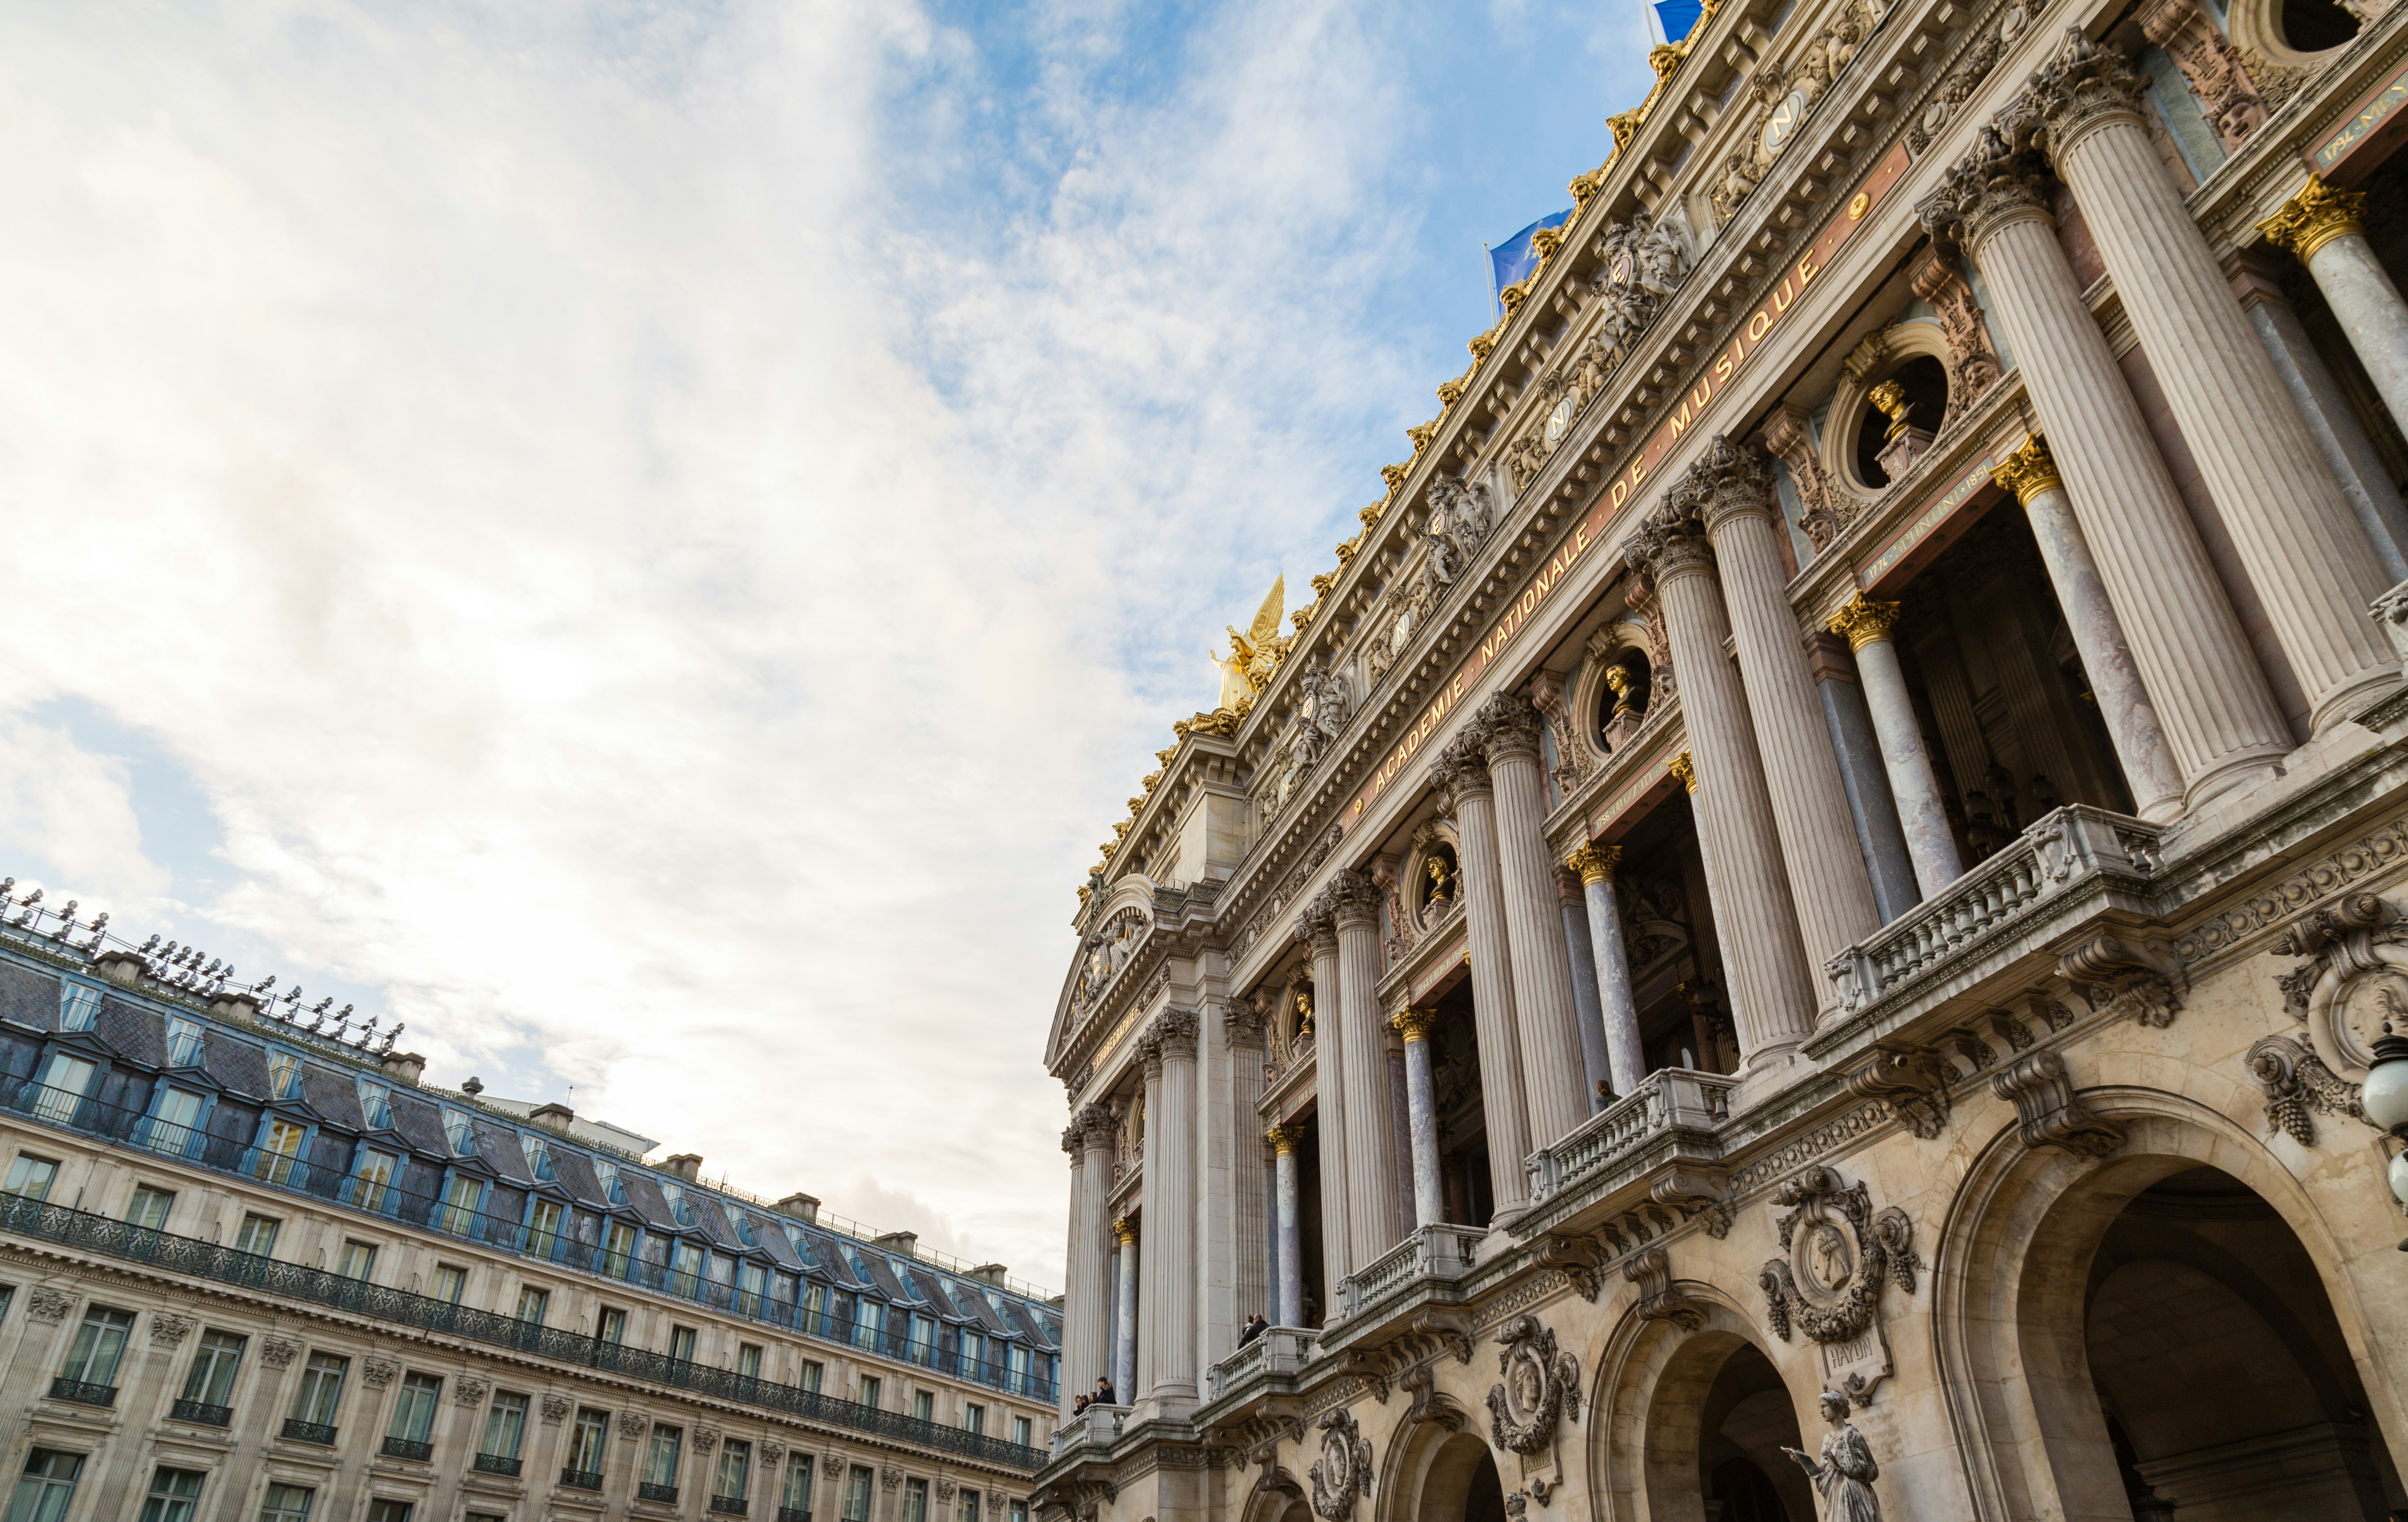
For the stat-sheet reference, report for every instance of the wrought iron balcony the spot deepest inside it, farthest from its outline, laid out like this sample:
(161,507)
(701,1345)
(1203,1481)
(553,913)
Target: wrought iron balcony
(83,1394)
(499,1464)
(647,1490)
(408,1448)
(580,1479)
(728,1505)
(317,1432)
(202,1413)
(1666,1100)
(794,1514)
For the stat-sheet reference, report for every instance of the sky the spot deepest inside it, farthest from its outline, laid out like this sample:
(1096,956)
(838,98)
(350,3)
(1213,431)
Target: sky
(650,542)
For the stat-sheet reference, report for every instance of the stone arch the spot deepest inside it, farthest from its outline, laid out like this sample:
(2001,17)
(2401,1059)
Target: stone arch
(2010,1287)
(1434,1457)
(1649,1402)
(2259,26)
(1277,1497)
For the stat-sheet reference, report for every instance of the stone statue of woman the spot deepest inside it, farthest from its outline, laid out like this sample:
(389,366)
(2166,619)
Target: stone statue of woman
(1846,1474)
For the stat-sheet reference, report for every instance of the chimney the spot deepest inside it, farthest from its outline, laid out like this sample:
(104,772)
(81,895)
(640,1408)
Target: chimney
(553,1117)
(406,1066)
(988,1274)
(123,967)
(905,1242)
(237,1007)
(686,1165)
(805,1206)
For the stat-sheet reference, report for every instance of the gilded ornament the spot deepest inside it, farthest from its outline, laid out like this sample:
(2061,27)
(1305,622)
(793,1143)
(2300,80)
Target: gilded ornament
(1413,1024)
(1594,863)
(1863,621)
(2029,471)
(1125,1229)
(1284,1138)
(1891,398)
(1255,654)
(2314,218)
(1686,770)
(1441,880)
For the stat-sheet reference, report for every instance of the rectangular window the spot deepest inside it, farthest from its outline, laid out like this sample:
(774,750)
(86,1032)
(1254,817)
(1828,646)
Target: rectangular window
(1021,1430)
(923,1406)
(856,1494)
(592,1439)
(357,1260)
(735,1479)
(460,1133)
(183,1042)
(814,1306)
(32,1176)
(322,1390)
(99,1342)
(64,1079)
(286,1503)
(754,1280)
(681,1341)
(210,1380)
(283,1075)
(175,1127)
(533,1303)
(923,1340)
(865,1318)
(46,1486)
(79,1007)
(278,1149)
(973,1417)
(870,1391)
(150,1207)
(661,1460)
(413,1412)
(174,1493)
(814,1372)
(797,1495)
(543,1228)
(1018,1511)
(257,1236)
(915,1501)
(675,1194)
(618,1249)
(460,1199)
(685,1263)
(613,1191)
(748,1359)
(611,1326)
(505,1424)
(374,1190)
(386,1509)
(1015,1368)
(376,1104)
(538,1153)
(968,1509)
(450,1282)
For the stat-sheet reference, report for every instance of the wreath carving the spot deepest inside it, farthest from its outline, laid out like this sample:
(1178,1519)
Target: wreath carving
(1541,1383)
(1344,1470)
(1838,1254)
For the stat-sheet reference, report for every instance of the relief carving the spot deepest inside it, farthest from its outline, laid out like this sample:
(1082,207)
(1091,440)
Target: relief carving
(1838,1254)
(2296,1081)
(1343,1471)
(2049,1111)
(1541,1383)
(1659,1298)
(2352,977)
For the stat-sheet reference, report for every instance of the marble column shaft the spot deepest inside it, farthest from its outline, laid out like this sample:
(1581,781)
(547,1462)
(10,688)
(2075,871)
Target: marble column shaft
(1171,1183)
(1370,1138)
(1597,1067)
(2338,437)
(2299,541)
(1829,885)
(1125,1315)
(1625,1058)
(1421,1113)
(1250,1205)
(2320,225)
(1922,811)
(1462,777)
(1289,1292)
(1400,1133)
(1755,924)
(1871,806)
(2211,697)
(1552,1067)
(1076,1297)
(1329,1102)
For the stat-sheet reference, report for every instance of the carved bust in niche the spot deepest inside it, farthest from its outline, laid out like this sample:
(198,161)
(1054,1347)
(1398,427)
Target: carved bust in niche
(1439,874)
(1625,682)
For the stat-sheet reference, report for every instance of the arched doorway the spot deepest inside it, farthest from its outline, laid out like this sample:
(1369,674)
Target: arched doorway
(1458,1483)
(1717,1419)
(2223,1378)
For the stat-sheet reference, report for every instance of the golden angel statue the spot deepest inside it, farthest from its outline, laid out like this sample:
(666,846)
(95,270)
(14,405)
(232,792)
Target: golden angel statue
(1257,654)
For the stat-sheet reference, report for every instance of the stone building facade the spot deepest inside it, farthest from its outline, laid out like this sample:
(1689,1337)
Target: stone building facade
(250,1269)
(1798,927)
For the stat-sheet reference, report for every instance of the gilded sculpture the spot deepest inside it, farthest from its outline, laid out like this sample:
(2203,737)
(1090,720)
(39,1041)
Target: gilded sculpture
(1254,654)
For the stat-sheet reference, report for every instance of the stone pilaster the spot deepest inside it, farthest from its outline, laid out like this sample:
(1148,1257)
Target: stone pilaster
(1625,1059)
(1288,1295)
(1155,1269)
(1249,1206)
(2305,553)
(1552,1068)
(1754,921)
(2220,719)
(2320,228)
(1588,1012)
(1317,927)
(1922,813)
(1461,775)
(1421,1106)
(1370,1143)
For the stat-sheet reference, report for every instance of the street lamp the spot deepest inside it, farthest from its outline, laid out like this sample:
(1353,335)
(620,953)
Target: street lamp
(2384,1100)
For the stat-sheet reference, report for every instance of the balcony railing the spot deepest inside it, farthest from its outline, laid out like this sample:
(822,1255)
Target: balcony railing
(794,1514)
(1666,1099)
(1096,1425)
(317,1432)
(647,1490)
(1433,1252)
(500,1464)
(2063,848)
(83,1394)
(728,1505)
(580,1479)
(202,1413)
(98,1234)
(1280,1350)
(408,1448)
(888,1336)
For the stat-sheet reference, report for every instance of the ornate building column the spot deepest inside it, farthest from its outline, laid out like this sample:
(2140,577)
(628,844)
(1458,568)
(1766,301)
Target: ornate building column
(1921,810)
(1730,492)
(1370,1138)
(1169,1261)
(1154,1270)
(1625,1060)
(2301,545)
(1086,1319)
(1552,1068)
(1871,807)
(1400,1135)
(2320,228)
(1317,927)
(2149,768)
(1421,1113)
(1287,1302)
(1756,925)
(2221,722)
(1461,775)
(1587,1011)
(1125,1313)
(1250,1244)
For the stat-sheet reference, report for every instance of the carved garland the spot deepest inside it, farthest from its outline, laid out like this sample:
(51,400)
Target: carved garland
(1541,1383)
(1344,1470)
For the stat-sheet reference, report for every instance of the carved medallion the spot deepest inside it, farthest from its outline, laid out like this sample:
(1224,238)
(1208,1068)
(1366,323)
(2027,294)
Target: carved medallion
(1837,1256)
(1344,1470)
(1541,1383)
(2354,977)
(1784,120)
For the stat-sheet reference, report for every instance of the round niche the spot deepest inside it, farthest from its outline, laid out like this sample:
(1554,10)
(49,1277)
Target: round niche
(1624,687)
(2292,32)
(1438,883)
(1923,384)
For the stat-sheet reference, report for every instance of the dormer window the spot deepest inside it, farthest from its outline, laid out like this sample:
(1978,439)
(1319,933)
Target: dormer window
(376,1104)
(183,1042)
(539,1155)
(283,1075)
(675,1194)
(79,1007)
(741,1225)
(613,1189)
(458,1132)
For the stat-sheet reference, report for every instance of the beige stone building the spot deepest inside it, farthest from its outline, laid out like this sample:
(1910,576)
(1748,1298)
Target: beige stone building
(253,1269)
(1801,926)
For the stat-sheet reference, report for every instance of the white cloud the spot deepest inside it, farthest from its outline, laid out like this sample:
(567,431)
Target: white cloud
(647,582)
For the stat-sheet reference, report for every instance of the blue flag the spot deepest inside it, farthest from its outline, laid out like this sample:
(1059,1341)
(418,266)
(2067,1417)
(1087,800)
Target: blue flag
(1678,16)
(1513,259)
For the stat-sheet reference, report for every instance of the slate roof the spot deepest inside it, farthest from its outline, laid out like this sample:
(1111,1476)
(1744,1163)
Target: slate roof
(138,1034)
(238,1065)
(28,998)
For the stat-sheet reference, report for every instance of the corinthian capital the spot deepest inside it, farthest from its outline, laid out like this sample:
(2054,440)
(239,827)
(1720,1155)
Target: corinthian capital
(1863,621)
(1094,1125)
(2029,471)
(1670,541)
(1730,481)
(1353,897)
(1174,1031)
(2314,218)
(2086,86)
(1594,863)
(1316,927)
(1510,726)
(1461,769)
(2000,180)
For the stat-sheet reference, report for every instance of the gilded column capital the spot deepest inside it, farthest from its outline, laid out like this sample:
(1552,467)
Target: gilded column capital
(1594,863)
(1125,1229)
(2000,180)
(1284,1139)
(1864,621)
(1413,1024)
(1686,770)
(2087,86)
(1508,726)
(2314,218)
(2029,471)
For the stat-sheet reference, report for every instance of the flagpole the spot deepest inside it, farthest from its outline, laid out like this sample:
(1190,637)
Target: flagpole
(1654,23)
(1496,301)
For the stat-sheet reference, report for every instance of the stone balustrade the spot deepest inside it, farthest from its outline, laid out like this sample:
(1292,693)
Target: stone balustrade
(1667,1099)
(1280,1352)
(1098,1426)
(1440,1252)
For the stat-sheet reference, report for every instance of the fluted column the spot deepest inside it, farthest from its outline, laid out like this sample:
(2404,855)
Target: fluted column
(2149,767)
(1154,1270)
(1930,844)
(1085,1357)
(1370,1138)
(1552,1068)
(2301,545)
(1171,1184)
(1460,776)
(1288,1295)
(1731,491)
(1587,1010)
(1754,921)
(1625,1058)
(2320,228)
(1125,1315)
(1249,1204)
(2219,719)
(1421,1113)
(1317,927)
